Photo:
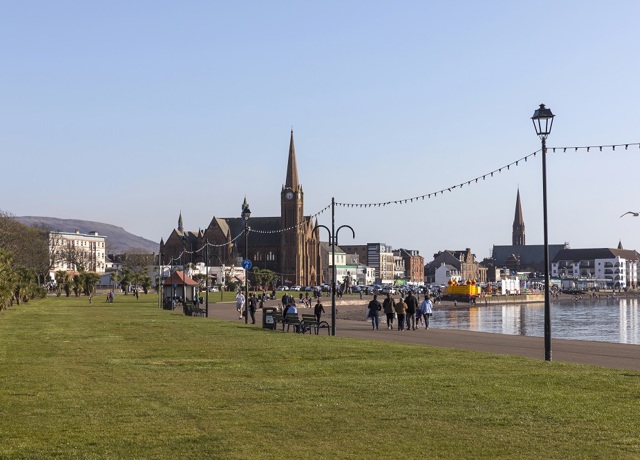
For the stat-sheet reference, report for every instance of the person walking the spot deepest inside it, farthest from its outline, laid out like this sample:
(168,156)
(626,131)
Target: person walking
(427,310)
(239,303)
(318,310)
(418,314)
(374,310)
(389,307)
(412,306)
(401,309)
(253,301)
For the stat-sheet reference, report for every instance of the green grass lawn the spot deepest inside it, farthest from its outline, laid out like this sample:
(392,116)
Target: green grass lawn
(130,381)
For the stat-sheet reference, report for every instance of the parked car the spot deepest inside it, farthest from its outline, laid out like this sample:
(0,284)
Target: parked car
(282,288)
(295,288)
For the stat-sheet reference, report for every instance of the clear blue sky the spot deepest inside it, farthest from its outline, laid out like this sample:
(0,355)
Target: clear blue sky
(130,112)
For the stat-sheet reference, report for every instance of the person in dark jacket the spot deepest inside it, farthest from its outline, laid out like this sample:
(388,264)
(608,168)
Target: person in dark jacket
(412,306)
(318,310)
(374,310)
(389,307)
(253,304)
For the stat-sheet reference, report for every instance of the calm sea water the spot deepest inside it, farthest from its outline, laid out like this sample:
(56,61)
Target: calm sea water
(603,320)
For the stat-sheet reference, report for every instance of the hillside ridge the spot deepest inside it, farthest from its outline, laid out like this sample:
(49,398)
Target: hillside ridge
(118,239)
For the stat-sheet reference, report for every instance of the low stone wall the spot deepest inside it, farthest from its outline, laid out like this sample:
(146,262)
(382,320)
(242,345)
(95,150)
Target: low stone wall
(504,299)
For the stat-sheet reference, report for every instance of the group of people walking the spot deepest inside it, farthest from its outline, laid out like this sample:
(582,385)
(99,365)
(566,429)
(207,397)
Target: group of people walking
(289,306)
(252,305)
(407,312)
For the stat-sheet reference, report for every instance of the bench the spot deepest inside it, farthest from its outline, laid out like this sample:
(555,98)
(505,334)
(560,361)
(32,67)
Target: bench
(198,312)
(277,318)
(191,310)
(293,320)
(310,323)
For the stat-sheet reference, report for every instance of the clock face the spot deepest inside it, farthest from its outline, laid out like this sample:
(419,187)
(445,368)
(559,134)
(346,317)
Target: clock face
(289,195)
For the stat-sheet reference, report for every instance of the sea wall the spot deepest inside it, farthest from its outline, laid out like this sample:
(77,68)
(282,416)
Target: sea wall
(504,299)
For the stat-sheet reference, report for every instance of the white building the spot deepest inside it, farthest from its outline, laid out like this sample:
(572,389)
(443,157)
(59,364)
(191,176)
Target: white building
(380,258)
(446,273)
(618,267)
(364,275)
(77,251)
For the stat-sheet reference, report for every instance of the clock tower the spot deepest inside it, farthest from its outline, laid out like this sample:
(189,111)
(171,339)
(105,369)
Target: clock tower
(293,224)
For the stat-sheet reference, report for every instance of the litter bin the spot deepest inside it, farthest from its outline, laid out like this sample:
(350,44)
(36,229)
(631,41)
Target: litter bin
(268,321)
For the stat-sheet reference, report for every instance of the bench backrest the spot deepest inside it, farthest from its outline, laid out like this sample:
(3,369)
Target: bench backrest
(309,318)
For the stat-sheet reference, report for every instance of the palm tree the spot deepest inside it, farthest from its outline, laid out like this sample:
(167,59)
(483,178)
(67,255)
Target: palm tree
(62,278)
(7,276)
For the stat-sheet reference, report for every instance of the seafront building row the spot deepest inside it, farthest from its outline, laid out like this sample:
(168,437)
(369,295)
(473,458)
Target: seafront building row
(290,246)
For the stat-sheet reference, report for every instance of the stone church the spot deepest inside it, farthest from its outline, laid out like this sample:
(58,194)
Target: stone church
(286,244)
(520,256)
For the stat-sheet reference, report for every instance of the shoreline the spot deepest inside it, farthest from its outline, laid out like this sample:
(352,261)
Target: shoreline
(354,309)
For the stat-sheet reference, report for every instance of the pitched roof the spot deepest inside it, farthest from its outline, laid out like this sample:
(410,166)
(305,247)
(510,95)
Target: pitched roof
(265,231)
(179,278)
(188,235)
(327,247)
(529,254)
(222,224)
(595,253)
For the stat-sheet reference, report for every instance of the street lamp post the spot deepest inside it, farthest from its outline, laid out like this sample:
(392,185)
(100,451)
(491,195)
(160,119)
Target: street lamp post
(333,241)
(206,280)
(159,282)
(208,263)
(542,122)
(246,213)
(173,284)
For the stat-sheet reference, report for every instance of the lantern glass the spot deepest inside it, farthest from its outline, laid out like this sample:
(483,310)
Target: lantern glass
(543,121)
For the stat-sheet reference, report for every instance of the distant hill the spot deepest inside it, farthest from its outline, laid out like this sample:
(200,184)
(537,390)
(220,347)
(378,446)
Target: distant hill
(118,239)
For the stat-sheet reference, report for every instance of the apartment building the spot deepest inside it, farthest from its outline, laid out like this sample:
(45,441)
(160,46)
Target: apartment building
(75,251)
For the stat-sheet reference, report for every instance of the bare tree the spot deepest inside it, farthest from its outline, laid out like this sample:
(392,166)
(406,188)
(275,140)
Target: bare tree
(139,263)
(56,247)
(76,258)
(28,245)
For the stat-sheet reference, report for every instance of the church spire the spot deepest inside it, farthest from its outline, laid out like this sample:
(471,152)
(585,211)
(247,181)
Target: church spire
(292,168)
(180,227)
(518,238)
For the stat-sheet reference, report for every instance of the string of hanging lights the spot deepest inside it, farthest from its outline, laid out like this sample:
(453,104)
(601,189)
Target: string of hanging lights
(485,176)
(451,188)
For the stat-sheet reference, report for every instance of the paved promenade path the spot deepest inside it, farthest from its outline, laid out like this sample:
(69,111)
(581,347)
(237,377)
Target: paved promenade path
(603,354)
